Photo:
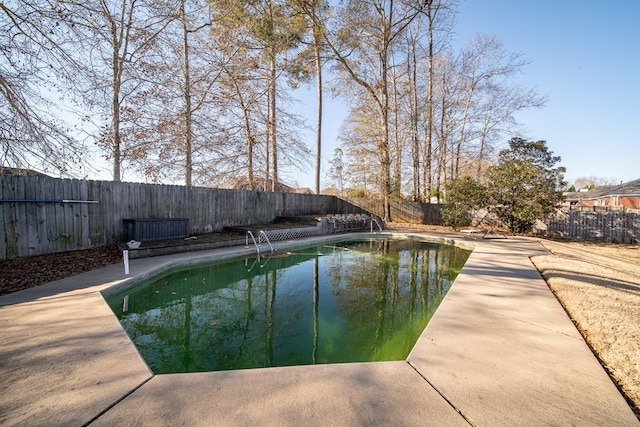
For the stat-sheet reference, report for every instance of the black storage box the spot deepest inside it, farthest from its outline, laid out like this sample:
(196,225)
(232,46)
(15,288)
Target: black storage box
(150,229)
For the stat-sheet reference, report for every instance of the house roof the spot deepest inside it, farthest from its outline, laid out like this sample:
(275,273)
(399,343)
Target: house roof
(591,194)
(243,184)
(631,188)
(5,170)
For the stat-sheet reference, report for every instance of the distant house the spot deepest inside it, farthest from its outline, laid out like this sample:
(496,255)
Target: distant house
(243,184)
(4,170)
(625,195)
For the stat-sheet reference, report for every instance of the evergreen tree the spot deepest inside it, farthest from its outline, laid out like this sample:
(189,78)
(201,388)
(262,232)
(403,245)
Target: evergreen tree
(525,185)
(463,196)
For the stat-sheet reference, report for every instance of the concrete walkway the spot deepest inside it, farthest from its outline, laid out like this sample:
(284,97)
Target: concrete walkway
(500,351)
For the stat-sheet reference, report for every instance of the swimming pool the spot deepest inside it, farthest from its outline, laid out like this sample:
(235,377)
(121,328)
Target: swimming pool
(350,301)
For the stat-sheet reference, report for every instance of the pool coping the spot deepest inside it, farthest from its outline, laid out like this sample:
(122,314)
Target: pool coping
(500,350)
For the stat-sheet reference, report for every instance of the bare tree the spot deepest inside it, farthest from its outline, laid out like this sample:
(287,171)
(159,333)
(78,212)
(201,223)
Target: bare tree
(359,135)
(112,36)
(177,137)
(34,60)
(362,43)
(336,171)
(412,41)
(439,16)
(498,120)
(315,12)
(272,30)
(486,101)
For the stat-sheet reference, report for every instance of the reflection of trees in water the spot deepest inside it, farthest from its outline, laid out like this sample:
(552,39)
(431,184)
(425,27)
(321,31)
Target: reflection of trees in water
(232,318)
(200,325)
(316,302)
(396,291)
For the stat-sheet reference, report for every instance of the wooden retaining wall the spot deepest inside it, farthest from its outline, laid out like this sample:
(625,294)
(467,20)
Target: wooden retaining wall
(596,226)
(40,215)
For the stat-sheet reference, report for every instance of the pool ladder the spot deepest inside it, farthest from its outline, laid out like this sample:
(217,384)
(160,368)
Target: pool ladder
(249,233)
(266,238)
(374,220)
(255,243)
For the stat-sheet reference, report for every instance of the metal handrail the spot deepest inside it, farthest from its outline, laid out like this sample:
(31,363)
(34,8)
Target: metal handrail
(377,223)
(263,233)
(249,233)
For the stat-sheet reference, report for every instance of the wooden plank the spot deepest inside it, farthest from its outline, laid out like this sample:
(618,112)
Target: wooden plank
(113,213)
(119,210)
(150,203)
(83,193)
(63,234)
(20,218)
(71,212)
(109,207)
(75,213)
(48,218)
(96,233)
(69,192)
(6,211)
(40,231)
(199,222)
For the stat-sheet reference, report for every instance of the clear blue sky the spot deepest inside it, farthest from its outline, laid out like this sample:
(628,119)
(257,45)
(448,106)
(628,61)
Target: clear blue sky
(585,57)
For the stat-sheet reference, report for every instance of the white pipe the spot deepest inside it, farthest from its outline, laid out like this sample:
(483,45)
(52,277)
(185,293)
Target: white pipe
(125,255)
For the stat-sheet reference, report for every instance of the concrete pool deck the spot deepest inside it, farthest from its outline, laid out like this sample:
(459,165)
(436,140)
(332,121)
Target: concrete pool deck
(500,351)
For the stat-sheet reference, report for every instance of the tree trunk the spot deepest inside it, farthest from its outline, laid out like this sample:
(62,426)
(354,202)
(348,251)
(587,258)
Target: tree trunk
(272,123)
(385,157)
(115,124)
(116,68)
(316,40)
(412,64)
(397,144)
(188,134)
(429,136)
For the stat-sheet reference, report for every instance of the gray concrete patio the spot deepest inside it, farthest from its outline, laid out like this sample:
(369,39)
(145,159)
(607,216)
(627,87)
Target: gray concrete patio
(500,351)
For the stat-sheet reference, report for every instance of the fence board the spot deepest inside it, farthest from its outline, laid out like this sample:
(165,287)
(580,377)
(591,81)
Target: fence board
(4,213)
(37,218)
(7,217)
(30,228)
(20,222)
(96,212)
(46,216)
(63,219)
(84,214)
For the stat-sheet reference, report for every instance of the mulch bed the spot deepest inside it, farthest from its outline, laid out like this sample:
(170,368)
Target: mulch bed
(26,272)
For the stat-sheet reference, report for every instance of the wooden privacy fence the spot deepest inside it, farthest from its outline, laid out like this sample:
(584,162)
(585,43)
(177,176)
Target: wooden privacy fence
(600,226)
(40,215)
(403,211)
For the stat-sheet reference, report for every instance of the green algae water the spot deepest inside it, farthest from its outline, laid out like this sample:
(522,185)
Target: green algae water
(355,301)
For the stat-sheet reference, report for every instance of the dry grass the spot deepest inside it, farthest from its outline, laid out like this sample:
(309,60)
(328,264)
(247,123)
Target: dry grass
(599,286)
